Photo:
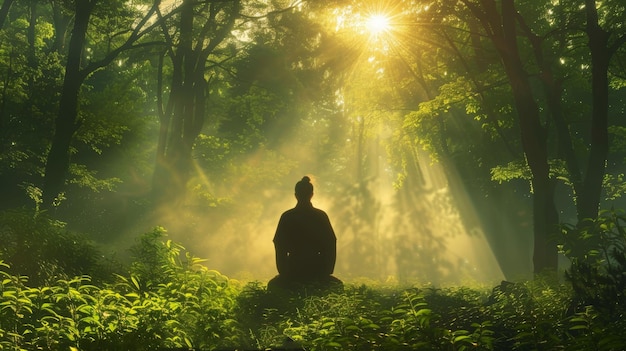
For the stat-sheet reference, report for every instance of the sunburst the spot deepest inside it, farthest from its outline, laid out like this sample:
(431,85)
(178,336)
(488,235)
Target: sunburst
(377,23)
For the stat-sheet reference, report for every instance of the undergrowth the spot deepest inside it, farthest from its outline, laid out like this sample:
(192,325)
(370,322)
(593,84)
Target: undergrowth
(168,300)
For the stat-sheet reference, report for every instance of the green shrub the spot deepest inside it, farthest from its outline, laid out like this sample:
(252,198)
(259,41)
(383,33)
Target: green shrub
(168,299)
(597,253)
(42,249)
(188,306)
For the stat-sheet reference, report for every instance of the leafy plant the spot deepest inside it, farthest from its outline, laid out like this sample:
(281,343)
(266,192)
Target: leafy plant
(597,252)
(168,300)
(43,249)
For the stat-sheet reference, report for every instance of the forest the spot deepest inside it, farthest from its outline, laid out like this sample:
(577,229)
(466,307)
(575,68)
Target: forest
(470,155)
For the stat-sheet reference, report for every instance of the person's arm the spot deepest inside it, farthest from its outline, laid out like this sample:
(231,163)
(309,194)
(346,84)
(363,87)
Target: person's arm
(330,248)
(332,253)
(281,259)
(279,248)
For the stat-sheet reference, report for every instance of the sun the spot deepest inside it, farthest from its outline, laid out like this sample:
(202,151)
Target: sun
(377,28)
(377,24)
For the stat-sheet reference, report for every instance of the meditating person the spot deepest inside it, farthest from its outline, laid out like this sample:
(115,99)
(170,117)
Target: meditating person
(305,243)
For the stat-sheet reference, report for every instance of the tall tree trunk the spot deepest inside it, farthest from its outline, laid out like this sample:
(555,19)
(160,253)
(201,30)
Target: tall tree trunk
(58,159)
(172,167)
(545,215)
(589,198)
(501,29)
(533,136)
(553,91)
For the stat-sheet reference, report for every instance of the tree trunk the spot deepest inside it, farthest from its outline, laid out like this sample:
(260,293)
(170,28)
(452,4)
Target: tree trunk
(589,198)
(553,91)
(58,159)
(533,136)
(173,161)
(501,29)
(183,118)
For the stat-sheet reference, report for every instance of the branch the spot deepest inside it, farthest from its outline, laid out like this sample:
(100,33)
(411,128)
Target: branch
(271,13)
(612,49)
(206,28)
(146,44)
(166,33)
(135,35)
(231,72)
(220,35)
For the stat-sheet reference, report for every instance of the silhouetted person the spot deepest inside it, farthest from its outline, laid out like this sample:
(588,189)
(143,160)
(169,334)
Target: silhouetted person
(305,243)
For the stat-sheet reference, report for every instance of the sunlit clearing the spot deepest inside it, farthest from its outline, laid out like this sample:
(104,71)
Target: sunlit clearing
(425,233)
(377,24)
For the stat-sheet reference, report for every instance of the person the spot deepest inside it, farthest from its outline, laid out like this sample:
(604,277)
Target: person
(305,243)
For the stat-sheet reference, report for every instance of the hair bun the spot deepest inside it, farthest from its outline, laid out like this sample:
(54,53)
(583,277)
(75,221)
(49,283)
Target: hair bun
(304,189)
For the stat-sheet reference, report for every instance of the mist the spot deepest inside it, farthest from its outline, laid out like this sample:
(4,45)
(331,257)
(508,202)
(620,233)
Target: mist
(426,231)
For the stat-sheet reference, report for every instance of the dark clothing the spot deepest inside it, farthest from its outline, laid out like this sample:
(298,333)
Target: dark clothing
(305,243)
(321,285)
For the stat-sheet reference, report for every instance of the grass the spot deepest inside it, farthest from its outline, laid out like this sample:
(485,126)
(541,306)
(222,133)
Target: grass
(195,308)
(167,299)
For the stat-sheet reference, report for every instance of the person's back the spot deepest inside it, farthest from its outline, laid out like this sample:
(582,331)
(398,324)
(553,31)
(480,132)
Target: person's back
(305,242)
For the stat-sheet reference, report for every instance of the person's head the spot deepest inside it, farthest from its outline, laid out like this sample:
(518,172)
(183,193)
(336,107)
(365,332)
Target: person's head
(304,189)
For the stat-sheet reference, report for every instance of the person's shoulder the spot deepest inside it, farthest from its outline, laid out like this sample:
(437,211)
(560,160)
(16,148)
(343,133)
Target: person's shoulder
(319,211)
(288,212)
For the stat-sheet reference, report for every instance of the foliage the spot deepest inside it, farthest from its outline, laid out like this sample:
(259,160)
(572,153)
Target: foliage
(168,300)
(597,252)
(520,170)
(188,308)
(44,249)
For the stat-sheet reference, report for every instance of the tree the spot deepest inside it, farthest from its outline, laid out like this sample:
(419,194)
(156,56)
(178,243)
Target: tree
(201,35)
(500,27)
(603,45)
(548,38)
(29,78)
(585,172)
(78,67)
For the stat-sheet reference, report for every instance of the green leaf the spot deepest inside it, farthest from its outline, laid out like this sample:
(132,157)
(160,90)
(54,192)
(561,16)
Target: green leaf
(578,327)
(461,338)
